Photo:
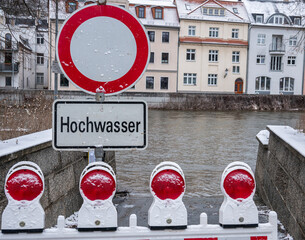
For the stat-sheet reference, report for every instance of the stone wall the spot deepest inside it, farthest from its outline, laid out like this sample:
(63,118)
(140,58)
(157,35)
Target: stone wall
(61,172)
(280,175)
(175,101)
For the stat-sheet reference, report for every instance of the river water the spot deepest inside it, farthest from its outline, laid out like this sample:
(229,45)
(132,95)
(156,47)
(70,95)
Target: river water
(202,143)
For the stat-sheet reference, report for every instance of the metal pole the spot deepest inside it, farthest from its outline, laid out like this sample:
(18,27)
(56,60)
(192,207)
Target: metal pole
(98,151)
(56,31)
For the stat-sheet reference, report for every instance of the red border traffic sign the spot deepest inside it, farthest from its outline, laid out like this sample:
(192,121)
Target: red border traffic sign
(63,46)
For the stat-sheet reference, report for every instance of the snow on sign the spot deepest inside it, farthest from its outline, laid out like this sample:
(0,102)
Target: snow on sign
(81,125)
(103,48)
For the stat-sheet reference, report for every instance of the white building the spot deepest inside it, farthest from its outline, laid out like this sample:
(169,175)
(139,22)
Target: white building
(23,53)
(276,52)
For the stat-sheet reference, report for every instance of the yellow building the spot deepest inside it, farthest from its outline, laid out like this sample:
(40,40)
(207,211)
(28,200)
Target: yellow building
(213,46)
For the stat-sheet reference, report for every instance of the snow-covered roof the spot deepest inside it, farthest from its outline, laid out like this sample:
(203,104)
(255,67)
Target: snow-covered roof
(268,8)
(235,11)
(170,16)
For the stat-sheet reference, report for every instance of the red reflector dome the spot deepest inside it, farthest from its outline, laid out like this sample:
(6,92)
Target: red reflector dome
(24,185)
(239,184)
(168,184)
(98,185)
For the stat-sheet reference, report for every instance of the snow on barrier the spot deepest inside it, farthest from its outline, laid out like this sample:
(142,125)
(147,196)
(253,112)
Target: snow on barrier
(238,214)
(24,186)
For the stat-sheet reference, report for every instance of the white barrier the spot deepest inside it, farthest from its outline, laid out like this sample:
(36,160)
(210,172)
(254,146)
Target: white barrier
(244,230)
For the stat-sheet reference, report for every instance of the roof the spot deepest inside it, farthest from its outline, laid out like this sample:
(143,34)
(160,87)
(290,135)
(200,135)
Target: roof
(268,8)
(235,11)
(170,16)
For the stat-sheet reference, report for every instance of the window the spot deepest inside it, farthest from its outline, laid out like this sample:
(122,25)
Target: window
(8,41)
(260,59)
(39,78)
(164,58)
(293,41)
(8,81)
(235,10)
(259,19)
(158,13)
(297,21)
(164,83)
(149,82)
(205,11)
(210,11)
(187,7)
(278,19)
(40,58)
(8,57)
(261,39)
(213,55)
(189,78)
(262,84)
(40,39)
(64,82)
(152,57)
(213,32)
(222,12)
(235,33)
(165,36)
(291,60)
(235,69)
(71,6)
(192,30)
(235,57)
(286,84)
(212,79)
(213,11)
(151,36)
(276,63)
(190,54)
(140,11)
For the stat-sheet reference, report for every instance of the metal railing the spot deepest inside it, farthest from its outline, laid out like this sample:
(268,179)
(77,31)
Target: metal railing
(278,48)
(8,67)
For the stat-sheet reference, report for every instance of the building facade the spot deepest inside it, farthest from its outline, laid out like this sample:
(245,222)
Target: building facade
(213,46)
(276,47)
(161,22)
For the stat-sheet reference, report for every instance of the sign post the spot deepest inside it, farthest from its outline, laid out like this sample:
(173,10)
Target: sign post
(103,50)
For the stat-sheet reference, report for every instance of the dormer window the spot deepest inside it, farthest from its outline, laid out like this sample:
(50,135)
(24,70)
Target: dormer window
(140,11)
(297,21)
(235,10)
(213,11)
(71,6)
(157,12)
(187,7)
(278,19)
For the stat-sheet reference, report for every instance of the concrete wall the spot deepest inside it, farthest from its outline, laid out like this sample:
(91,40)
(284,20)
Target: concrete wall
(61,171)
(280,175)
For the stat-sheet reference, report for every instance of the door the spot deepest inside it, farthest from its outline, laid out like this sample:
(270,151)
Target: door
(239,86)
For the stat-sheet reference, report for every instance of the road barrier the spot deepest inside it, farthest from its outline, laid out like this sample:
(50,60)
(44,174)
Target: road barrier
(167,216)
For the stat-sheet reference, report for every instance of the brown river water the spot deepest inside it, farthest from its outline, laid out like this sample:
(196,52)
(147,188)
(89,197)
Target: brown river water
(201,142)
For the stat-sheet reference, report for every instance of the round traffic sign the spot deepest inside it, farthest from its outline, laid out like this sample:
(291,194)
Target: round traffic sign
(103,48)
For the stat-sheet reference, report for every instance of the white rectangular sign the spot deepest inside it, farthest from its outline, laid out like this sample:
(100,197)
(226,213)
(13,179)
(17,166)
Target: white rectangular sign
(80,125)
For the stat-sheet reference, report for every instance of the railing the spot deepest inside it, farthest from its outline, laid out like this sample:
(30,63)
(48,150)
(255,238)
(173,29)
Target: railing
(7,67)
(8,47)
(277,48)
(167,216)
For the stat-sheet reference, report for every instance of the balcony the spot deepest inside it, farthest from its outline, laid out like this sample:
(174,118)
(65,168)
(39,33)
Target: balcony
(8,47)
(8,68)
(277,48)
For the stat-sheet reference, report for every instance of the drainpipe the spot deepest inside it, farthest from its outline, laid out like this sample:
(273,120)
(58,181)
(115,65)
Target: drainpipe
(303,79)
(177,60)
(248,56)
(56,31)
(13,65)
